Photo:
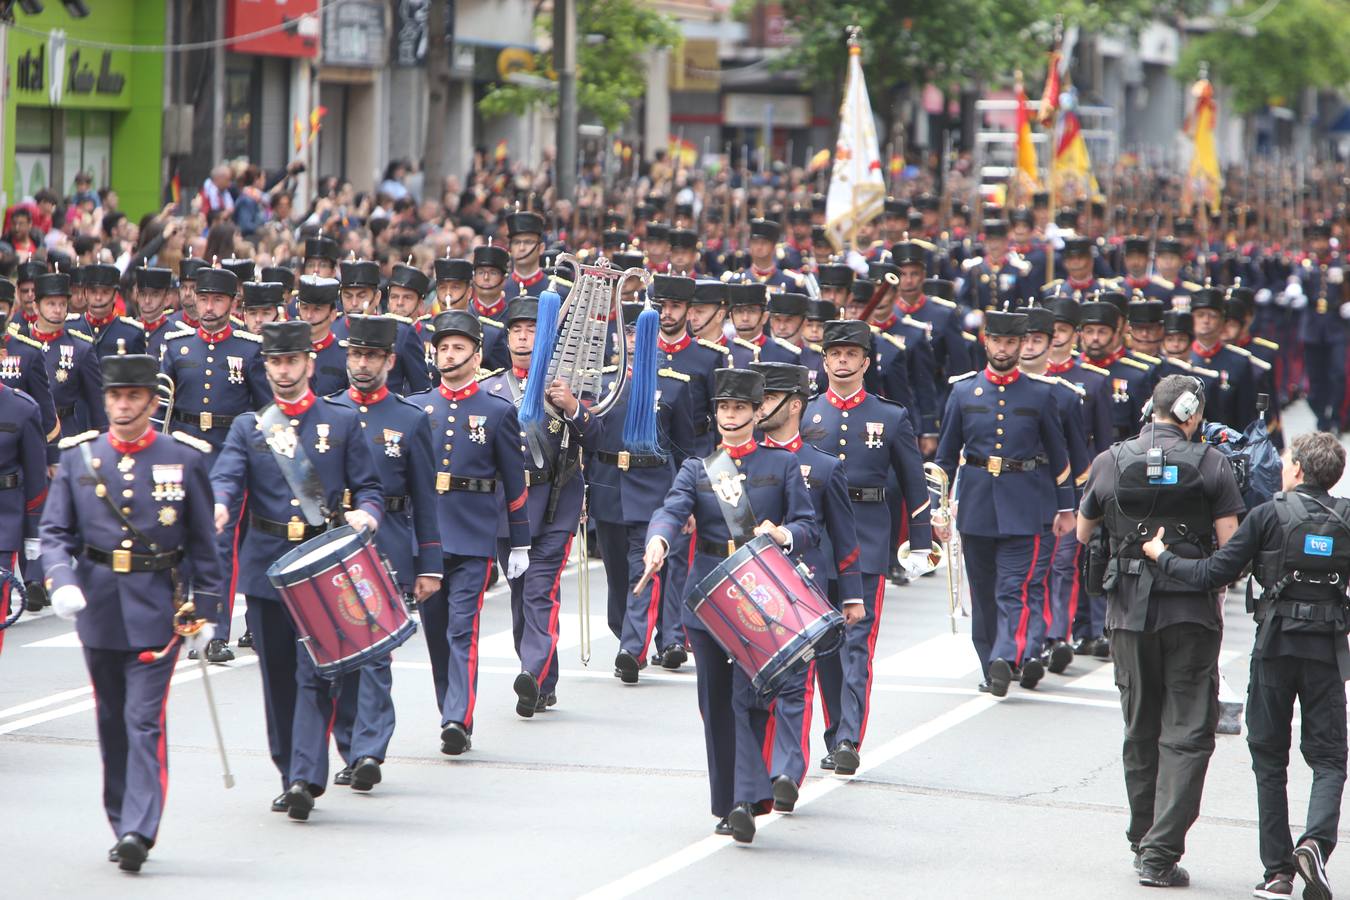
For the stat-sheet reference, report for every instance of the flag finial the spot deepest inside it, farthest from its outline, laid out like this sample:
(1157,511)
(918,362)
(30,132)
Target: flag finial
(854,42)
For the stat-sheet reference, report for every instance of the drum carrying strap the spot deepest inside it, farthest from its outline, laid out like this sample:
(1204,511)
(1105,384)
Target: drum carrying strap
(295,465)
(728,486)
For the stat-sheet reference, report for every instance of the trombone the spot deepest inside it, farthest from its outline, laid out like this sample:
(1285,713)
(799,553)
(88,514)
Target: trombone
(164,390)
(936,481)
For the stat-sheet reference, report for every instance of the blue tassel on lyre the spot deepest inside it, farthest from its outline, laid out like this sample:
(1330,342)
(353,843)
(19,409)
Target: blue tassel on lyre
(639,429)
(532,413)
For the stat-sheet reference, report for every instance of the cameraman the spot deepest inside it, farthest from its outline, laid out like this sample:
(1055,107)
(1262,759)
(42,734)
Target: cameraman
(1164,633)
(1299,543)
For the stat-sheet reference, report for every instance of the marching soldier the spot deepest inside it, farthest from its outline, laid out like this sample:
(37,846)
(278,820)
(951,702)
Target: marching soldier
(525,239)
(943,316)
(359,290)
(749,305)
(133,507)
(476,445)
(871,437)
(998,279)
(111,333)
(1136,278)
(152,304)
(1239,310)
(218,375)
(1131,380)
(295,458)
(684,254)
(399,433)
(1319,297)
(734,722)
(23,487)
(186,315)
(555,495)
(1080,278)
(1178,338)
(321,257)
(316,305)
(1170,282)
(904,363)
(1144,326)
(70,361)
(999,427)
(764,261)
(679,301)
(454,290)
(26,274)
(708,315)
(787,344)
(264,301)
(407,290)
(1236,394)
(22,364)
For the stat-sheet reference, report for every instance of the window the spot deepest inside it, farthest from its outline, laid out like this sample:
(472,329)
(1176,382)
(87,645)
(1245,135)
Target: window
(32,150)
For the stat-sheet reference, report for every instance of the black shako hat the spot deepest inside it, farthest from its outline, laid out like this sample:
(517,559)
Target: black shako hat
(217,281)
(1005,324)
(784,378)
(261,294)
(847,332)
(373,332)
(738,384)
(457,321)
(130,370)
(281,338)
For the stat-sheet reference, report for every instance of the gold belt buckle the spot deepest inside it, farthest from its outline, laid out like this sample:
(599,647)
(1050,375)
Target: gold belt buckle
(625,458)
(295,530)
(347,499)
(995,465)
(442,482)
(121,561)
(204,421)
(731,547)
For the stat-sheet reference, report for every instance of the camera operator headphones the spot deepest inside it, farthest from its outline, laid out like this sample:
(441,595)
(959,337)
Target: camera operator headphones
(1186,406)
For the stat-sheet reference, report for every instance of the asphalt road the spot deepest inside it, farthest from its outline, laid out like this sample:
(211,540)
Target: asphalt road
(960,796)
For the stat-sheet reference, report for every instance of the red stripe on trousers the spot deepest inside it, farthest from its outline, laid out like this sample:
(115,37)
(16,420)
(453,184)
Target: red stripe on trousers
(770,730)
(1024,618)
(871,652)
(234,564)
(473,648)
(5,596)
(653,613)
(553,616)
(162,751)
(806,718)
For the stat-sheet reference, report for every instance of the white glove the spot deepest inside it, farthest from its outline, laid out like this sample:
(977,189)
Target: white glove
(30,548)
(1345,310)
(1263,296)
(916,564)
(1293,287)
(973,320)
(199,639)
(1335,275)
(1299,301)
(517,562)
(68,600)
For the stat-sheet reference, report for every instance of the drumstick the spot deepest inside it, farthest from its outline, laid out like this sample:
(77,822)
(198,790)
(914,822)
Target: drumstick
(647,574)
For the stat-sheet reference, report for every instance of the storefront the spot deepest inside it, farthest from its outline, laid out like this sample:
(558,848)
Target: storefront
(75,108)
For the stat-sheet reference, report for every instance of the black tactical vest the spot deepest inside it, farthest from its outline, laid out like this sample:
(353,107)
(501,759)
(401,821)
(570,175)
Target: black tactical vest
(1304,579)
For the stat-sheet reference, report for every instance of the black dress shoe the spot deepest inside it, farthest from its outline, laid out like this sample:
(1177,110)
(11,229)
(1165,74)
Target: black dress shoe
(299,801)
(673,657)
(344,776)
(218,651)
(192,654)
(112,854)
(454,739)
(546,700)
(1103,649)
(281,803)
(1164,877)
(1059,657)
(1000,676)
(983,687)
(742,822)
(245,640)
(366,774)
(827,762)
(846,758)
(527,692)
(626,667)
(1084,646)
(37,596)
(784,794)
(722,828)
(1032,673)
(131,852)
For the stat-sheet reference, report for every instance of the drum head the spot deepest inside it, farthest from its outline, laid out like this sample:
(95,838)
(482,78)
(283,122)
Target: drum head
(316,555)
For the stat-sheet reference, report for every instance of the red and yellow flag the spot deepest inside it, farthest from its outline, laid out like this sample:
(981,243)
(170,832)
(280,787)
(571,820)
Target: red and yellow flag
(1050,96)
(1204,183)
(316,119)
(683,152)
(1072,168)
(500,153)
(1028,182)
(299,129)
(820,160)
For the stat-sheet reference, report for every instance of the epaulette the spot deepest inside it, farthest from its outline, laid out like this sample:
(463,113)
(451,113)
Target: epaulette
(397,318)
(1268,344)
(972,262)
(1191,286)
(609,370)
(1202,371)
(894,339)
(484,374)
(1236,349)
(671,373)
(1046,379)
(137,322)
(89,338)
(1144,357)
(13,328)
(816,347)
(71,317)
(76,439)
(917,323)
(1056,283)
(927,245)
(747,344)
(943,301)
(1135,363)
(962,377)
(175,335)
(25,339)
(713,345)
(426,318)
(1162,282)
(238,322)
(787,345)
(243,333)
(195,443)
(563,281)
(968,336)
(1081,392)
(1091,368)
(486,321)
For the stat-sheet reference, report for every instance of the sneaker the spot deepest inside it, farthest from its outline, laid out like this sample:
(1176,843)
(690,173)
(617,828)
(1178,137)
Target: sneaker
(1164,876)
(1313,868)
(1281,885)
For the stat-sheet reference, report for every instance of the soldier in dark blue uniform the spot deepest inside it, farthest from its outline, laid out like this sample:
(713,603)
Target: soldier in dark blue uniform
(871,437)
(399,433)
(787,342)
(734,722)
(1236,394)
(126,534)
(766,267)
(525,237)
(1171,283)
(186,315)
(997,279)
(406,293)
(1131,380)
(999,427)
(708,312)
(321,257)
(25,279)
(23,487)
(1238,312)
(1080,278)
(684,254)
(556,491)
(111,333)
(360,293)
(264,301)
(945,318)
(679,301)
(296,439)
(22,364)
(487,300)
(476,445)
(1135,277)
(833,561)
(624,489)
(70,361)
(152,299)
(316,305)
(749,311)
(1144,326)
(1322,307)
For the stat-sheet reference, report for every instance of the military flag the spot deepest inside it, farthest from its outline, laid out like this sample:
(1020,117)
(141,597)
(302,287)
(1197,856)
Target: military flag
(1204,183)
(857,189)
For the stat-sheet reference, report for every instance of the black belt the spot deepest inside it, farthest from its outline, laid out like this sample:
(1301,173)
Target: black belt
(713,548)
(391,504)
(447,482)
(123,561)
(537,476)
(625,460)
(65,412)
(866,494)
(203,420)
(295,530)
(7,482)
(999,464)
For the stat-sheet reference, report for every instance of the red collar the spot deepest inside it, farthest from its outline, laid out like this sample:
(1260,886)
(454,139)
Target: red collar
(886,325)
(157,323)
(1059,368)
(534,279)
(762,273)
(100,323)
(839,402)
(462,394)
(223,334)
(44,337)
(743,450)
(489,311)
(1204,354)
(665,347)
(140,443)
(368,399)
(1243,340)
(297,408)
(659,268)
(1079,285)
(794,444)
(325,343)
(1133,282)
(1118,355)
(918,305)
(760,340)
(189,321)
(522,374)
(995,378)
(30,318)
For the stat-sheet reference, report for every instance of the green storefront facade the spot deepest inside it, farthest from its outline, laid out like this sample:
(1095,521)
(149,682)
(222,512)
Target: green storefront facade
(106,114)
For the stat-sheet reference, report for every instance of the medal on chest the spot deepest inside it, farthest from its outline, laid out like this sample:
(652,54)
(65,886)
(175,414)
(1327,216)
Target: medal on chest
(392,446)
(1120,390)
(322,430)
(875,435)
(9,368)
(168,487)
(477,429)
(236,364)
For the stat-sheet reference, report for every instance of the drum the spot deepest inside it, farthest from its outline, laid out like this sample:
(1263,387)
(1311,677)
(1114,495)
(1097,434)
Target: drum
(342,600)
(767,614)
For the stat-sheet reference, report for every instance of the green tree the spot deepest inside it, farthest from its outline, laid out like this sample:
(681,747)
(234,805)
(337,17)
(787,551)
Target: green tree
(613,38)
(1272,59)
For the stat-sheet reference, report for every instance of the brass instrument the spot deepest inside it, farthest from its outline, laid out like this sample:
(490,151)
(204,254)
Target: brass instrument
(584,583)
(936,481)
(164,390)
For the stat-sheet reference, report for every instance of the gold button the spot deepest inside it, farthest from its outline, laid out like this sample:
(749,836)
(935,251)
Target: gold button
(998,446)
(452,418)
(210,347)
(841,456)
(450,433)
(1000,389)
(128,493)
(294,502)
(208,372)
(1003,403)
(843,428)
(126,510)
(998,431)
(363,409)
(211,358)
(843,442)
(206,399)
(126,545)
(454,406)
(363,424)
(1000,417)
(207,385)
(129,477)
(446,462)
(738,462)
(844,414)
(295,421)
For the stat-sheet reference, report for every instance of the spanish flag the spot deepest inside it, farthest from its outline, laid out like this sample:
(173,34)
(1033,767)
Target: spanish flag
(316,119)
(1205,182)
(1072,169)
(499,154)
(819,161)
(1050,95)
(1027,181)
(299,129)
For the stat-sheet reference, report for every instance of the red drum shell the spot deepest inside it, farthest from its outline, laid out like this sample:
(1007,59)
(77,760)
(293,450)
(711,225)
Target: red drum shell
(343,602)
(766,614)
